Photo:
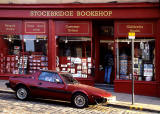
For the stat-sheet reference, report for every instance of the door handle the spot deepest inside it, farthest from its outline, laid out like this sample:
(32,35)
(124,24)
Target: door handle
(39,83)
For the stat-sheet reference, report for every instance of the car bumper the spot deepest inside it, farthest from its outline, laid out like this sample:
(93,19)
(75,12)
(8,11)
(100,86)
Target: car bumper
(105,99)
(111,99)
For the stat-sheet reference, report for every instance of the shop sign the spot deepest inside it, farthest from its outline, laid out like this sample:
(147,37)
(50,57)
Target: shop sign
(35,27)
(131,35)
(10,27)
(71,13)
(74,28)
(141,29)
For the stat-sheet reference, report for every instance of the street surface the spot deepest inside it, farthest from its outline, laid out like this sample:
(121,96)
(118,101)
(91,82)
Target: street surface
(10,105)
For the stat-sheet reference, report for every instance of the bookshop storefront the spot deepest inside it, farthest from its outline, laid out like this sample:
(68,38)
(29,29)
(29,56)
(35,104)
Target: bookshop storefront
(23,49)
(144,56)
(75,40)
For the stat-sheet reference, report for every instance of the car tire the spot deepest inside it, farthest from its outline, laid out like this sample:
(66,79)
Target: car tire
(22,93)
(80,100)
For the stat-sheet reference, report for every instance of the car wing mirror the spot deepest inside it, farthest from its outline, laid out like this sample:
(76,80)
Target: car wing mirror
(57,81)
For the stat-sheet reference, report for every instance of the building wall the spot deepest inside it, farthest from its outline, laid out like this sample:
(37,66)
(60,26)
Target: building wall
(69,1)
(129,12)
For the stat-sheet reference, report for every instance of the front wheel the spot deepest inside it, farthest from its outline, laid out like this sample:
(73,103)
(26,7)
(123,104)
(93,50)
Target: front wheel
(22,93)
(80,100)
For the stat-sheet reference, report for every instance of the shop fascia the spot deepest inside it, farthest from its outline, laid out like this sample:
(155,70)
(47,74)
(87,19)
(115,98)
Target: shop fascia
(71,13)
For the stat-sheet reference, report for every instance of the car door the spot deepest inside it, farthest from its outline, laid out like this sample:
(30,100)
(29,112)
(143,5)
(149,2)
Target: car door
(50,85)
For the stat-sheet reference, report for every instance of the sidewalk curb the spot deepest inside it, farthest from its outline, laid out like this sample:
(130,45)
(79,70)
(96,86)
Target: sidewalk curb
(129,107)
(132,107)
(4,91)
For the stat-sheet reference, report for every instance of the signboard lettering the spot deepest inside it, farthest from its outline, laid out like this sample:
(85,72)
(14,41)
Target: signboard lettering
(140,28)
(94,13)
(10,27)
(32,27)
(82,28)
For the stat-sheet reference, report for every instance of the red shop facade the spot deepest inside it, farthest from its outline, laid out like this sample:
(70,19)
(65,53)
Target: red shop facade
(75,37)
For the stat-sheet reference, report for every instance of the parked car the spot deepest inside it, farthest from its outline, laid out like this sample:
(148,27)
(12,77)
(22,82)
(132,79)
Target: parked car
(59,86)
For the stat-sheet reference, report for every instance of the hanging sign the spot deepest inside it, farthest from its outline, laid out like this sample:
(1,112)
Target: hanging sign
(131,35)
(35,27)
(141,28)
(73,28)
(10,27)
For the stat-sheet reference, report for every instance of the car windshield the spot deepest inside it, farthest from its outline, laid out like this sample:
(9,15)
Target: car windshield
(68,78)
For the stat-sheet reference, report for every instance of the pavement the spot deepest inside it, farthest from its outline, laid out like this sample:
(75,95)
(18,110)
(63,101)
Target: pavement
(124,101)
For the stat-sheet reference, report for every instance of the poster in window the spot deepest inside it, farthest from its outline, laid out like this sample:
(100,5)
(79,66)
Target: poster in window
(148,69)
(84,65)
(77,61)
(89,71)
(72,70)
(72,59)
(84,61)
(63,69)
(89,59)
(79,67)
(84,71)
(68,69)
(68,58)
(79,52)
(76,75)
(68,64)
(79,72)
(89,65)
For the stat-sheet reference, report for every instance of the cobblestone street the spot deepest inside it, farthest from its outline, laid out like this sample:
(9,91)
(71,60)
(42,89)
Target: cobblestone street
(10,105)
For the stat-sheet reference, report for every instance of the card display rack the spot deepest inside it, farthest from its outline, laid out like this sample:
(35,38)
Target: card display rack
(13,64)
(78,67)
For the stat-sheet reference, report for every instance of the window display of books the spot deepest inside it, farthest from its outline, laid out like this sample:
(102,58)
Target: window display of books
(78,67)
(37,62)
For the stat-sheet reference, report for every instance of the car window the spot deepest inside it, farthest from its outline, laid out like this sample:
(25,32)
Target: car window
(50,77)
(68,78)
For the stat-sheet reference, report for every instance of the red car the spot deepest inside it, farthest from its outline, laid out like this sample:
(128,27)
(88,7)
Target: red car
(59,86)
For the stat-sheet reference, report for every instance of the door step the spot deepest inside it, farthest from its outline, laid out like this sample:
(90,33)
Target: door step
(109,87)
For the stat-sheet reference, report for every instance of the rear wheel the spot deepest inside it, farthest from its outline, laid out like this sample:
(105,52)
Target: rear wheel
(22,93)
(80,100)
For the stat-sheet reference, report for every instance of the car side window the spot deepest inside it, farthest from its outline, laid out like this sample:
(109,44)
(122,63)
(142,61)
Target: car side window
(50,77)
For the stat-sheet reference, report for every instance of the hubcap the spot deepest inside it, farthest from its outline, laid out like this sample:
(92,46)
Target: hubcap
(79,101)
(22,93)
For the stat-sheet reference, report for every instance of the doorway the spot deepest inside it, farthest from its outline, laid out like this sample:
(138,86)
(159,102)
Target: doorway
(103,38)
(106,47)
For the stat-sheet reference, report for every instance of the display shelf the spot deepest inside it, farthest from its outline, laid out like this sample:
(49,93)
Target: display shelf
(78,67)
(37,62)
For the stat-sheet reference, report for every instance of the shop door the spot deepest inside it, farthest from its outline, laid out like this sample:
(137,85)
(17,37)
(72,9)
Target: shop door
(106,62)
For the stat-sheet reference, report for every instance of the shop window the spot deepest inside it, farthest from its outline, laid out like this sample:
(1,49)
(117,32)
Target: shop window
(10,51)
(74,55)
(22,54)
(144,59)
(35,51)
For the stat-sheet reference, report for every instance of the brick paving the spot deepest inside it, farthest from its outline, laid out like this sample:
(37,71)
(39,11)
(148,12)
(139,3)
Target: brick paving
(9,104)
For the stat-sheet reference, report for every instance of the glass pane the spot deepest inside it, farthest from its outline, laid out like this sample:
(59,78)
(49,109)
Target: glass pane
(35,51)
(50,76)
(74,55)
(23,54)
(11,54)
(144,59)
